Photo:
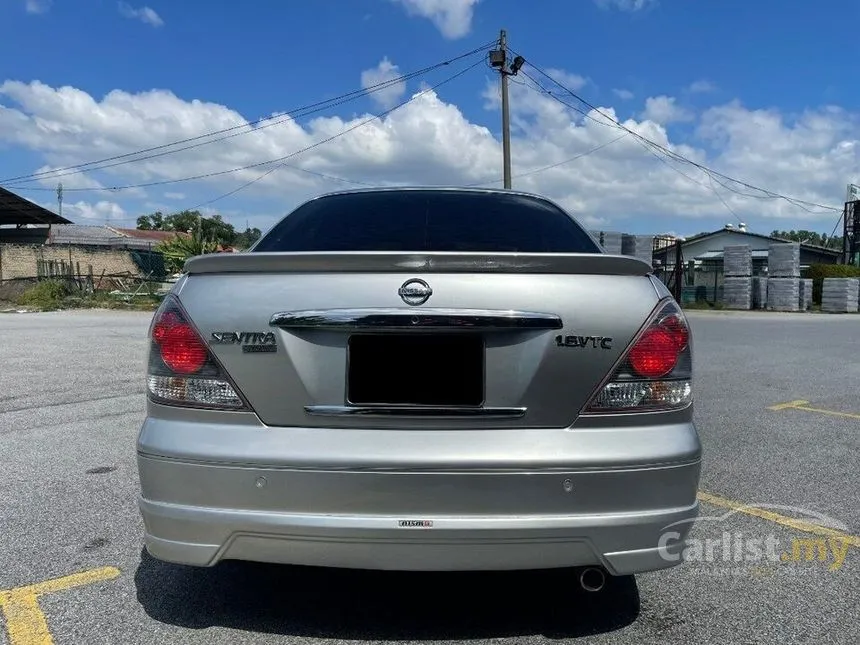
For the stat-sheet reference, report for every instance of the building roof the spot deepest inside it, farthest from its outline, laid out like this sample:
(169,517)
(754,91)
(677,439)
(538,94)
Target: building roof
(151,236)
(88,235)
(82,234)
(15,210)
(756,254)
(759,236)
(95,235)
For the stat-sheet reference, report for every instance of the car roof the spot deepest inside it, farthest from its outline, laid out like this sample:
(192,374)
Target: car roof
(453,188)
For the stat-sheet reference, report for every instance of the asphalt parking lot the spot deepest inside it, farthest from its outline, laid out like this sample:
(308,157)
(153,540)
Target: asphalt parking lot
(776,407)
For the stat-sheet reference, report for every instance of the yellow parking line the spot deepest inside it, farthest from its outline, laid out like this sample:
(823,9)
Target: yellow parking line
(777,518)
(787,405)
(803,405)
(25,621)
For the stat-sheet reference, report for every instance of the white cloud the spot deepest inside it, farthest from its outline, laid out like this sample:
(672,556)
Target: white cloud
(391,95)
(71,181)
(702,87)
(626,5)
(146,15)
(624,95)
(38,6)
(170,195)
(101,212)
(571,81)
(664,110)
(431,141)
(453,18)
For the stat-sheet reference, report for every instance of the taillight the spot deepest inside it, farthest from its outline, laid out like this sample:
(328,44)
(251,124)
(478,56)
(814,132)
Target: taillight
(180,347)
(655,354)
(655,373)
(677,326)
(182,370)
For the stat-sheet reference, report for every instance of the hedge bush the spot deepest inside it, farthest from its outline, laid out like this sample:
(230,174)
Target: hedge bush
(820,271)
(48,294)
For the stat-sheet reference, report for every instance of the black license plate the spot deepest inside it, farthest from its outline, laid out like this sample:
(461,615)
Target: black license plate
(416,369)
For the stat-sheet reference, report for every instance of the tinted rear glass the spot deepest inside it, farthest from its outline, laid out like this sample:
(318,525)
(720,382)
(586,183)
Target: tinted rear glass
(428,221)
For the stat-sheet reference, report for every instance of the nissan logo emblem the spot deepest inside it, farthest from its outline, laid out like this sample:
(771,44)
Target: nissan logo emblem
(415,292)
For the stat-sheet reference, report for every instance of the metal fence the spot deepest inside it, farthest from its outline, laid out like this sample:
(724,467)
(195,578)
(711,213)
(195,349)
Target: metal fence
(125,285)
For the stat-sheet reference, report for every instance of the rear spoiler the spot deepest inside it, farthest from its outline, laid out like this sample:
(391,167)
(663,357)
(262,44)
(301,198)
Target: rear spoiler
(400,262)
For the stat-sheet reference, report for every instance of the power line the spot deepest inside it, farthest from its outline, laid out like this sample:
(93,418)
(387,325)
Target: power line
(539,88)
(72,170)
(294,114)
(650,148)
(654,148)
(292,167)
(551,166)
(835,226)
(709,171)
(343,132)
(208,175)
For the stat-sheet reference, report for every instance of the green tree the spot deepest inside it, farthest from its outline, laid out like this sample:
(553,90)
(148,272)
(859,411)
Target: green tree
(247,238)
(809,237)
(154,222)
(188,221)
(177,250)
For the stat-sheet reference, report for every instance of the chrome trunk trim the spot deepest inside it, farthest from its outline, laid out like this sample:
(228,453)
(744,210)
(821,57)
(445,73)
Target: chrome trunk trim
(409,410)
(429,318)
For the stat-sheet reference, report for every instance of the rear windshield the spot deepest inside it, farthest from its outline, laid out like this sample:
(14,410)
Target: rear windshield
(415,220)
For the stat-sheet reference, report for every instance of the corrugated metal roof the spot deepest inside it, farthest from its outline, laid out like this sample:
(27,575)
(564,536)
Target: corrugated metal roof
(153,236)
(717,255)
(16,210)
(96,236)
(64,233)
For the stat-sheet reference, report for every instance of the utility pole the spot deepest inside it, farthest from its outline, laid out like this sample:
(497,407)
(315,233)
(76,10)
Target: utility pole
(499,59)
(850,222)
(60,198)
(506,114)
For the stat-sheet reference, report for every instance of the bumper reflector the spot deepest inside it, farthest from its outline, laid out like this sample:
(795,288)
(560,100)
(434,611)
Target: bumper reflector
(642,395)
(206,391)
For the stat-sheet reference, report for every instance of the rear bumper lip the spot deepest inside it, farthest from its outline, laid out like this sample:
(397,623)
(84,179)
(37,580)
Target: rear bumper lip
(624,544)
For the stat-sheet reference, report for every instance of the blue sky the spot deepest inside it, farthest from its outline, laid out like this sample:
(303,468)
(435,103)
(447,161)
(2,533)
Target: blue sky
(714,63)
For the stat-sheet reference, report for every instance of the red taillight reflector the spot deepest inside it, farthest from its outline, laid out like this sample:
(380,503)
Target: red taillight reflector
(181,349)
(163,326)
(679,330)
(655,353)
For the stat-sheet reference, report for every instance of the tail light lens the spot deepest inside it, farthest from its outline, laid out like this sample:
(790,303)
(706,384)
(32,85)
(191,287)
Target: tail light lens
(655,373)
(182,369)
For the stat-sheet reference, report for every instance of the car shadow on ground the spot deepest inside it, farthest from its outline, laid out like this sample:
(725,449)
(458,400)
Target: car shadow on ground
(342,604)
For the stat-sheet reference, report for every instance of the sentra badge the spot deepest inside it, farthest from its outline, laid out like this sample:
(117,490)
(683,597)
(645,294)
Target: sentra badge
(251,341)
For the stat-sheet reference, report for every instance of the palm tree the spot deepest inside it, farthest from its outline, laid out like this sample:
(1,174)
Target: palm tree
(178,249)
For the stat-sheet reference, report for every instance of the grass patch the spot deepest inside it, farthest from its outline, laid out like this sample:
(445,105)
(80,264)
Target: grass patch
(55,295)
(45,295)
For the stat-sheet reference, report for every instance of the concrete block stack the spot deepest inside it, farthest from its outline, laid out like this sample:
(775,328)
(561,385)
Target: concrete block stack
(839,295)
(805,294)
(759,292)
(638,246)
(737,283)
(783,283)
(783,294)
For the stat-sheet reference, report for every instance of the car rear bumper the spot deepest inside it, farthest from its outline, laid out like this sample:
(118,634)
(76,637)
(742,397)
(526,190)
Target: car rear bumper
(487,499)
(623,544)
(199,514)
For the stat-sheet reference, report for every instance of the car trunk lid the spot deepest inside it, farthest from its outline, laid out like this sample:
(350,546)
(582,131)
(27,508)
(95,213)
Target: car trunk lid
(501,340)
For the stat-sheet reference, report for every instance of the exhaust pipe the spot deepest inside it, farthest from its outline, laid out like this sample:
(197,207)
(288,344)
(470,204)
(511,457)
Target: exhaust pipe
(592,579)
